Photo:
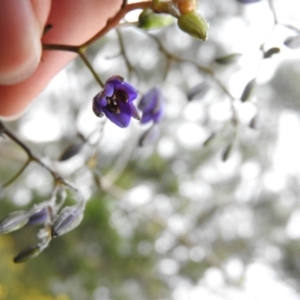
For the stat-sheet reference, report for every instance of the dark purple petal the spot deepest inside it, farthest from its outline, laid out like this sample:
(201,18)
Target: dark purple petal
(100,99)
(121,119)
(97,109)
(114,80)
(109,89)
(129,89)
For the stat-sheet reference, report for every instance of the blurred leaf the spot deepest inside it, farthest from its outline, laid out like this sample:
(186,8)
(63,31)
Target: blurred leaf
(209,139)
(253,122)
(293,42)
(248,90)
(228,59)
(269,53)
(71,151)
(226,152)
(199,90)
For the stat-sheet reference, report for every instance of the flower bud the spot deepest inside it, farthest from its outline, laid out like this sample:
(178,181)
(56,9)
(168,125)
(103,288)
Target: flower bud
(69,218)
(149,20)
(193,24)
(27,253)
(39,215)
(14,221)
(186,6)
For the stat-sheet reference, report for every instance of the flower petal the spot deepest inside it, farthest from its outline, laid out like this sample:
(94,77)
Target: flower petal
(109,89)
(121,119)
(97,109)
(157,116)
(134,112)
(146,118)
(148,101)
(114,80)
(129,89)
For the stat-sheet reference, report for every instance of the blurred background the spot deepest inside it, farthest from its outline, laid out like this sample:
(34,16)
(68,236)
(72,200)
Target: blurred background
(210,210)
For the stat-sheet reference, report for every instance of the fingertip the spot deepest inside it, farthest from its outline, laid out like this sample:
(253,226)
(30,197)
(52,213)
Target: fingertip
(20,34)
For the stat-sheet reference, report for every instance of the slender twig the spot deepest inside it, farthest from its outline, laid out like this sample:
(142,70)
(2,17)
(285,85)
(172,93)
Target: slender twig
(115,20)
(31,156)
(203,69)
(123,52)
(11,180)
(84,58)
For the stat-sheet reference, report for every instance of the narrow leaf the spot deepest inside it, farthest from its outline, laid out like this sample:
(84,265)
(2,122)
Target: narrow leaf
(228,59)
(71,151)
(198,91)
(248,90)
(253,122)
(209,139)
(269,53)
(226,152)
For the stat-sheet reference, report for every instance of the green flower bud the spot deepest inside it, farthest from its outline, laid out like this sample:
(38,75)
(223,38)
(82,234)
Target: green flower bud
(193,24)
(150,20)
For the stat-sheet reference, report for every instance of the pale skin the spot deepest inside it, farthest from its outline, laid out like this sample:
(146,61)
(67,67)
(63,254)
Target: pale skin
(25,70)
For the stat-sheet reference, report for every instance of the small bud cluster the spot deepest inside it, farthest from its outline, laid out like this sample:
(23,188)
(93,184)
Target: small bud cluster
(54,222)
(189,19)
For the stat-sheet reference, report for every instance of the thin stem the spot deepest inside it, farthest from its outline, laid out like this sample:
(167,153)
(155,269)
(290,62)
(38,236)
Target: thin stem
(17,141)
(115,20)
(10,181)
(123,51)
(31,156)
(81,52)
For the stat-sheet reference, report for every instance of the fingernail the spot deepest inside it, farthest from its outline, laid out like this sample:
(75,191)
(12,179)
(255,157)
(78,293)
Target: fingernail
(21,48)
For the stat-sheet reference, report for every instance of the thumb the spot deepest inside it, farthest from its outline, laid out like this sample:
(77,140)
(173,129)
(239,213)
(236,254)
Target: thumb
(20,49)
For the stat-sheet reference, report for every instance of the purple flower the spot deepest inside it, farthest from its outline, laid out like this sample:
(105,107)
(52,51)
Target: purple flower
(115,101)
(152,106)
